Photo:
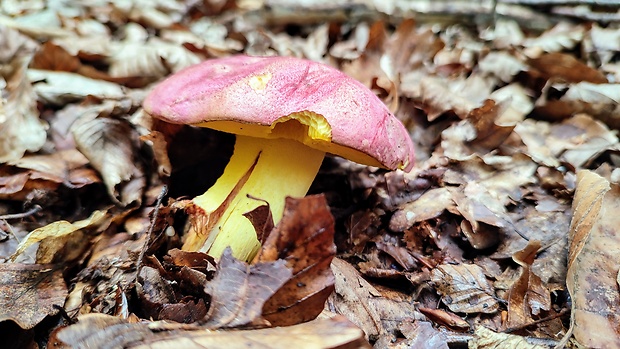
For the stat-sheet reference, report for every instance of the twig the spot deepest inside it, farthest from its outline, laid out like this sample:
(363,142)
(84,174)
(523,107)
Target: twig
(30,212)
(545,319)
(160,198)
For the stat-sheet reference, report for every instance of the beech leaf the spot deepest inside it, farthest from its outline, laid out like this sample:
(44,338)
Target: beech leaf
(239,290)
(304,239)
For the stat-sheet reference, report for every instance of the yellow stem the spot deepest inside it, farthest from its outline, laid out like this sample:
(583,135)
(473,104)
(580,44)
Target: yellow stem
(268,169)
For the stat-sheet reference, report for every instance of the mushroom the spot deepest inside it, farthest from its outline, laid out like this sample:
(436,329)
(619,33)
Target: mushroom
(286,114)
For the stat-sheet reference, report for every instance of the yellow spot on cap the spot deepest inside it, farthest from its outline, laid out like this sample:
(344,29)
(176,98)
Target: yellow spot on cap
(258,83)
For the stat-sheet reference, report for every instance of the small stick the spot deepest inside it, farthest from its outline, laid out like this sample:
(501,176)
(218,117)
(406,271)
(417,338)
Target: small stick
(160,198)
(30,212)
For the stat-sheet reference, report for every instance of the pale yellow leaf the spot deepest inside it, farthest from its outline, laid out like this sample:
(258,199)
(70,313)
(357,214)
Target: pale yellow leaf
(57,229)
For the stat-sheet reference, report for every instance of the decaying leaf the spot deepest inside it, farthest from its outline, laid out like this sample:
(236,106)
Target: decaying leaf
(351,298)
(422,335)
(59,88)
(111,146)
(373,311)
(487,339)
(20,126)
(30,292)
(304,239)
(239,290)
(431,204)
(99,330)
(528,296)
(57,230)
(592,261)
(465,289)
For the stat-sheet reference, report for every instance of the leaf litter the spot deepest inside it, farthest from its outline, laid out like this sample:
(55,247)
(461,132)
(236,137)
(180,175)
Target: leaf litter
(515,123)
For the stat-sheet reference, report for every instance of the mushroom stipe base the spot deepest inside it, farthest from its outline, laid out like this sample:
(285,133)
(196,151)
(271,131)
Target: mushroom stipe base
(265,169)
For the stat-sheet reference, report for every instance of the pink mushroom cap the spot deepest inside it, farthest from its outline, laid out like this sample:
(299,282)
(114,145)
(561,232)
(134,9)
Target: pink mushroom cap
(261,90)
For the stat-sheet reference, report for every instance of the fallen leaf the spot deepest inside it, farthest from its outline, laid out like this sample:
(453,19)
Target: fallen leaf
(22,130)
(304,239)
(489,134)
(430,205)
(58,230)
(527,296)
(565,68)
(30,292)
(60,88)
(99,330)
(262,220)
(111,145)
(592,268)
(465,289)
(422,335)
(487,339)
(562,36)
(239,291)
(444,317)
(352,299)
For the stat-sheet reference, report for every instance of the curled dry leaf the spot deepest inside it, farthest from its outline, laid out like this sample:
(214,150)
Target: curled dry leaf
(30,292)
(594,242)
(239,291)
(99,330)
(111,146)
(465,289)
(304,239)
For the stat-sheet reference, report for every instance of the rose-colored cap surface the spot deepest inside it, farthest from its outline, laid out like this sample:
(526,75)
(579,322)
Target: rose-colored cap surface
(261,90)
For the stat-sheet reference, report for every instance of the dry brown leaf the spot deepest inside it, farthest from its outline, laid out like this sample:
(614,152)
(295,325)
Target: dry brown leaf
(465,289)
(422,335)
(444,317)
(154,58)
(262,221)
(304,239)
(565,68)
(22,130)
(592,261)
(30,292)
(239,291)
(430,205)
(581,140)
(527,296)
(487,339)
(489,134)
(377,313)
(99,330)
(111,145)
(352,299)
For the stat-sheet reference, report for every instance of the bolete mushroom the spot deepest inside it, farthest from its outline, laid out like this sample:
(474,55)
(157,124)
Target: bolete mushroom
(286,114)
